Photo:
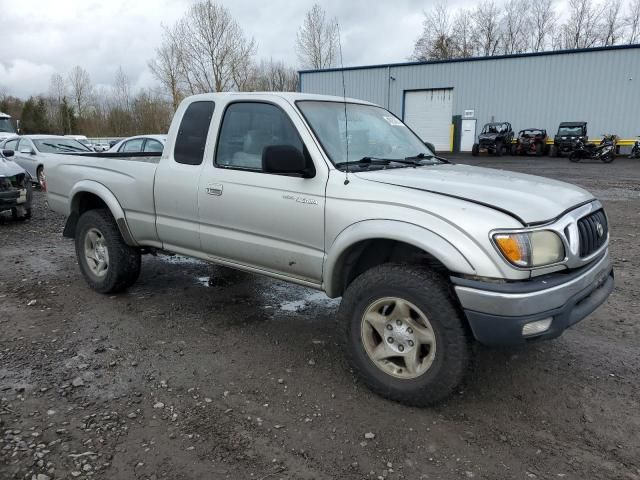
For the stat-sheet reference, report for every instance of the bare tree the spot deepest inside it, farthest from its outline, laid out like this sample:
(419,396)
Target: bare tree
(122,90)
(463,35)
(81,88)
(213,48)
(436,41)
(167,67)
(632,22)
(57,87)
(582,29)
(317,39)
(612,28)
(272,76)
(515,26)
(486,20)
(543,20)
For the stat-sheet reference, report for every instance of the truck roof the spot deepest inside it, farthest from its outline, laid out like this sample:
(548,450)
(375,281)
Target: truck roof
(4,115)
(289,96)
(572,124)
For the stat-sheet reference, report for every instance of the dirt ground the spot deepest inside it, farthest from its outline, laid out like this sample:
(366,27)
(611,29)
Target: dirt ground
(199,372)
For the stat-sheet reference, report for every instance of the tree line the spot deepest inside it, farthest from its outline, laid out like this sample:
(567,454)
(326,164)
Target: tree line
(204,51)
(520,26)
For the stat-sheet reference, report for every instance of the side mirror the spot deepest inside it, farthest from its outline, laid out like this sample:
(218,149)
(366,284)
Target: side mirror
(430,146)
(8,153)
(27,151)
(284,160)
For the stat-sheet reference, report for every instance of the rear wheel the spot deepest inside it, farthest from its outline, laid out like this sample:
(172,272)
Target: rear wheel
(574,157)
(107,263)
(475,150)
(539,149)
(406,338)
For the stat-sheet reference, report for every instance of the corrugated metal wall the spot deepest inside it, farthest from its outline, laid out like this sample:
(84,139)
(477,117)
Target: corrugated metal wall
(600,86)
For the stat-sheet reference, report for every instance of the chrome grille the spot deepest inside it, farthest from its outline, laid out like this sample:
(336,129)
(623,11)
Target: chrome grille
(593,231)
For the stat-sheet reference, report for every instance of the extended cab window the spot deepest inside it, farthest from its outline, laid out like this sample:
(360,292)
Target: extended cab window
(192,135)
(153,146)
(249,127)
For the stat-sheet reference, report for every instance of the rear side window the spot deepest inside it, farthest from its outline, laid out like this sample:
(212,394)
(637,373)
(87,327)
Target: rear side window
(192,135)
(132,146)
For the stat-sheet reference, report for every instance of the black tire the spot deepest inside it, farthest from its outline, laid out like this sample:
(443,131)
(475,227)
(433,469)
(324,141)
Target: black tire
(553,151)
(539,149)
(429,292)
(124,261)
(25,216)
(574,157)
(475,150)
(498,151)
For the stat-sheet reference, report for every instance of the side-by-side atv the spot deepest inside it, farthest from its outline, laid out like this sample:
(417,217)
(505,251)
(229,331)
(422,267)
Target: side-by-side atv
(495,138)
(565,140)
(531,141)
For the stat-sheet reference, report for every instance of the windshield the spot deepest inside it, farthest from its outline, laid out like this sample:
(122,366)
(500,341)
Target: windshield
(6,125)
(494,128)
(570,131)
(372,132)
(60,145)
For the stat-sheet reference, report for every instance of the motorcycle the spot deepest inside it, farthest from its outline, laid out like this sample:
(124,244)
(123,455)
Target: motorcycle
(605,151)
(635,150)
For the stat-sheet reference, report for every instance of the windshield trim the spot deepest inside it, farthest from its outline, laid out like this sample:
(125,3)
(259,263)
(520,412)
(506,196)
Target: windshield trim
(324,150)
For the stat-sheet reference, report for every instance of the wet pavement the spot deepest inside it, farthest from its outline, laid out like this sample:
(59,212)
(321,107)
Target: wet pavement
(200,372)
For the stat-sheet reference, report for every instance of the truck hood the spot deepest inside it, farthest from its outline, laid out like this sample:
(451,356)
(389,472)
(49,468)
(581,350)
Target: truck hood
(529,198)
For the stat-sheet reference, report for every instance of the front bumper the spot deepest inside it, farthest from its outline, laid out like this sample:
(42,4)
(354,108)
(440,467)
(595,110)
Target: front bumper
(497,313)
(12,198)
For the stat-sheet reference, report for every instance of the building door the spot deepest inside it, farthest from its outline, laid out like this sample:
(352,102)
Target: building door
(429,113)
(468,134)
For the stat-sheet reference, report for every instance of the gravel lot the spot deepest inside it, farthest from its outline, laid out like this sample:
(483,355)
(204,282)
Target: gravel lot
(199,372)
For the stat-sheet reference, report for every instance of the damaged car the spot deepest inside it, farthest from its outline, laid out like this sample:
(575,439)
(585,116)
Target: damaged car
(15,188)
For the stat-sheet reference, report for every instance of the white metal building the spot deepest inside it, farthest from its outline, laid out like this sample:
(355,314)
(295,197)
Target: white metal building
(447,102)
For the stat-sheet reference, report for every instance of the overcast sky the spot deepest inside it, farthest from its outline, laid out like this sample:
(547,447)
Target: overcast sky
(47,36)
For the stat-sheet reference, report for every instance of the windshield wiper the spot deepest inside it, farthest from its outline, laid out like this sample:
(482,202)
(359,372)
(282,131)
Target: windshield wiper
(424,156)
(365,162)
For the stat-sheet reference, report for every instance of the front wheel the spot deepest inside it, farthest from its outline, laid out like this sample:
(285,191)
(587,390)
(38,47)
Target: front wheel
(107,263)
(475,150)
(406,338)
(574,157)
(498,151)
(608,157)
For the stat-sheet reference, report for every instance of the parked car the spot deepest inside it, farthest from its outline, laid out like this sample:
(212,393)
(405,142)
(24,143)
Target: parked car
(426,255)
(140,143)
(83,140)
(101,146)
(33,152)
(565,139)
(15,187)
(495,138)
(531,141)
(6,126)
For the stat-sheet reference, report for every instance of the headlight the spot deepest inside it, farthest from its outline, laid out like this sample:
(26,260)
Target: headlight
(530,249)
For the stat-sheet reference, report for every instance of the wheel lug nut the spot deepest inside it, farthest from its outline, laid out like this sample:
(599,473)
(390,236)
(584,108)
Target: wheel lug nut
(390,339)
(398,322)
(410,343)
(401,348)
(409,330)
(389,326)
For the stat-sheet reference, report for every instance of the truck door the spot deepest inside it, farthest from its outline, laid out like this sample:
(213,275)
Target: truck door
(268,222)
(177,176)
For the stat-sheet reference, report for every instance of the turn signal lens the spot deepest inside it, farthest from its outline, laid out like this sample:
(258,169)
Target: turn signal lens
(515,247)
(530,249)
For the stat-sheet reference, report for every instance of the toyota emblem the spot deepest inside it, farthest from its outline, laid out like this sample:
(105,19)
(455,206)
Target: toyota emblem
(599,229)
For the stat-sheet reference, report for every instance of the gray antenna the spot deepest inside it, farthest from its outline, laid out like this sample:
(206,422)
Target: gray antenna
(344,97)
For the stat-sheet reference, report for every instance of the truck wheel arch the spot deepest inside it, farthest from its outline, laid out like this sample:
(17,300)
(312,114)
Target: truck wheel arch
(89,195)
(384,241)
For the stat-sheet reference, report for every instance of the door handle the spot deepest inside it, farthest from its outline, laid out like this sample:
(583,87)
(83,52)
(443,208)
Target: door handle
(214,189)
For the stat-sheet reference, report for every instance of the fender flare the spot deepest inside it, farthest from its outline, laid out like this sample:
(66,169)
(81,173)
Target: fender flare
(409,233)
(110,200)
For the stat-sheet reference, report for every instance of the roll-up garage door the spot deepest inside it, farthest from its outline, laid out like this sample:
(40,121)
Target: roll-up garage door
(428,113)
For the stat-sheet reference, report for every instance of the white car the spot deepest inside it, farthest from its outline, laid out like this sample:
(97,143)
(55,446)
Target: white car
(32,152)
(140,143)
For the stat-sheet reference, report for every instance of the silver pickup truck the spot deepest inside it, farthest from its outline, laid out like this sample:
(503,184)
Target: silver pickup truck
(339,195)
